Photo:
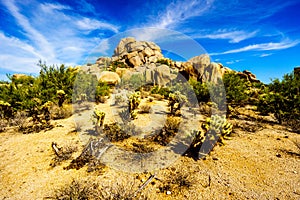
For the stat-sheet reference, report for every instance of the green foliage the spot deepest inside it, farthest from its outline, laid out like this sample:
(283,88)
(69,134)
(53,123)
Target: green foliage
(117,64)
(164,61)
(135,81)
(53,78)
(282,98)
(102,90)
(201,90)
(236,88)
(86,84)
(164,91)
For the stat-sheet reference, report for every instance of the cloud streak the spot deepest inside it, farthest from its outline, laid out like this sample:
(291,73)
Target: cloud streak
(179,11)
(285,44)
(233,36)
(61,38)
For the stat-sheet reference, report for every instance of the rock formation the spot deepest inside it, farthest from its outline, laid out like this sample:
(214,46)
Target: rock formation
(136,53)
(141,57)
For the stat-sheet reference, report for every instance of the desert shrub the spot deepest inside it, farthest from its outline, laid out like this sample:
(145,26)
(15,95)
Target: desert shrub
(119,99)
(164,61)
(236,88)
(61,112)
(178,181)
(145,109)
(165,135)
(5,110)
(114,132)
(201,90)
(93,190)
(78,190)
(19,119)
(85,83)
(164,91)
(3,124)
(117,64)
(135,81)
(102,90)
(282,98)
(62,153)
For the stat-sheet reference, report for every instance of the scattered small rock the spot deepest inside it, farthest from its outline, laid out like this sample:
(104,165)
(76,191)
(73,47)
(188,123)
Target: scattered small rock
(278,155)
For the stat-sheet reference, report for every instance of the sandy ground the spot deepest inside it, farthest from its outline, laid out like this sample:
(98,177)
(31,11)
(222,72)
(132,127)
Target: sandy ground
(253,165)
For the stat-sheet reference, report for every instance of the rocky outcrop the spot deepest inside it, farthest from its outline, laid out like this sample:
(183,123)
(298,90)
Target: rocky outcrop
(136,53)
(247,75)
(131,57)
(202,69)
(110,78)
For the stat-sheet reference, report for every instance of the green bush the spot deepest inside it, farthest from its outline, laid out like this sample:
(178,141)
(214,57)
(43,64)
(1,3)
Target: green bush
(236,89)
(282,98)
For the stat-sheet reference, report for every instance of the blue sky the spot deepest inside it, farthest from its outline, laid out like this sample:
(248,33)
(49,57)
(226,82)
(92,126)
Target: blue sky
(262,36)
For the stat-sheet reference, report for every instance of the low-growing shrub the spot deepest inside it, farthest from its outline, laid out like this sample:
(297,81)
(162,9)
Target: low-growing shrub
(114,132)
(63,112)
(145,109)
(170,129)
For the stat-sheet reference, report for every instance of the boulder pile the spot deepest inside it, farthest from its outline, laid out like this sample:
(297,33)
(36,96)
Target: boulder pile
(142,57)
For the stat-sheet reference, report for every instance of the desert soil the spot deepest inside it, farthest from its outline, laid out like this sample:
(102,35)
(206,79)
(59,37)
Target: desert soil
(260,164)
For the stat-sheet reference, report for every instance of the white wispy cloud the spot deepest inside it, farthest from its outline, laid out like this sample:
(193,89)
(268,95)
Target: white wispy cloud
(61,38)
(285,44)
(265,55)
(87,24)
(179,11)
(40,41)
(232,62)
(235,36)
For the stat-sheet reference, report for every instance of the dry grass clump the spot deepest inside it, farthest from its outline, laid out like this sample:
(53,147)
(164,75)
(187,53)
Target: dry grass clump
(177,181)
(3,124)
(92,190)
(61,112)
(62,153)
(165,135)
(78,190)
(145,109)
(114,132)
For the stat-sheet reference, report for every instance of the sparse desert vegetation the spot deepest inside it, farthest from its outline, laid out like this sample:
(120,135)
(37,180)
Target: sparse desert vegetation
(246,147)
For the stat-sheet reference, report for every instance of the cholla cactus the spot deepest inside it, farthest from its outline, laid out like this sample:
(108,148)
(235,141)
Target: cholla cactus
(46,110)
(5,109)
(176,101)
(219,125)
(83,97)
(99,116)
(134,102)
(61,95)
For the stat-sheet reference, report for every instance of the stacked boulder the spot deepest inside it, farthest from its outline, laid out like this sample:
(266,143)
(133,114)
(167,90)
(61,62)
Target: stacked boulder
(136,53)
(142,57)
